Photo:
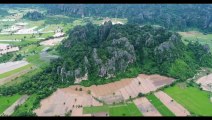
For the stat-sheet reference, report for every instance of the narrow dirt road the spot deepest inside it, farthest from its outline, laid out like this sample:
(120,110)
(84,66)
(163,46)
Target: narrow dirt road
(9,111)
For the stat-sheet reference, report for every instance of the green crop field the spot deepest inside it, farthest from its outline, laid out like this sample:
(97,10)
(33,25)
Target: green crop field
(6,101)
(26,107)
(159,105)
(128,109)
(124,110)
(30,49)
(95,109)
(192,98)
(15,71)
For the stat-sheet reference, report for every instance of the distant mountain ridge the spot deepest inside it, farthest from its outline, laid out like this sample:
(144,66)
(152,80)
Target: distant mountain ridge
(172,16)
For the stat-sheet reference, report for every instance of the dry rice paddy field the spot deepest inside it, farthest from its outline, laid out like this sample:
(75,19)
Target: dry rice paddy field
(73,99)
(145,107)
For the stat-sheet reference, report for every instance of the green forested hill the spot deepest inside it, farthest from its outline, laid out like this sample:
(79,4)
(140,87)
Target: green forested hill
(34,16)
(109,50)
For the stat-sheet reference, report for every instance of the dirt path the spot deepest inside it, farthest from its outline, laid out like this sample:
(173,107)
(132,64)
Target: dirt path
(146,108)
(11,109)
(13,76)
(171,104)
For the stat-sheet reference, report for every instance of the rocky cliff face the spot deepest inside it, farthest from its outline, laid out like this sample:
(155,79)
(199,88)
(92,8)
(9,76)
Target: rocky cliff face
(119,60)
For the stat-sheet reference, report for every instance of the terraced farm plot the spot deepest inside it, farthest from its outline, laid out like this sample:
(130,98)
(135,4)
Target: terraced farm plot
(192,98)
(159,105)
(128,109)
(6,101)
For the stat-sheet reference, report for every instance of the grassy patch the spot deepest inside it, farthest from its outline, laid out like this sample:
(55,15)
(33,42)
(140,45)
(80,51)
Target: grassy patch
(159,105)
(192,98)
(15,71)
(6,101)
(197,36)
(35,60)
(128,109)
(95,109)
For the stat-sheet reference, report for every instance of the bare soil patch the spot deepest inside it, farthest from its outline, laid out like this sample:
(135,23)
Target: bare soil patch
(5,48)
(205,82)
(146,108)
(64,100)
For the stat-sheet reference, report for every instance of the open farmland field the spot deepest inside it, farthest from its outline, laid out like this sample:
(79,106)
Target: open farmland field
(22,78)
(34,23)
(197,36)
(6,74)
(146,108)
(95,109)
(159,105)
(6,67)
(6,101)
(31,49)
(21,39)
(171,104)
(26,107)
(197,102)
(109,93)
(127,109)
